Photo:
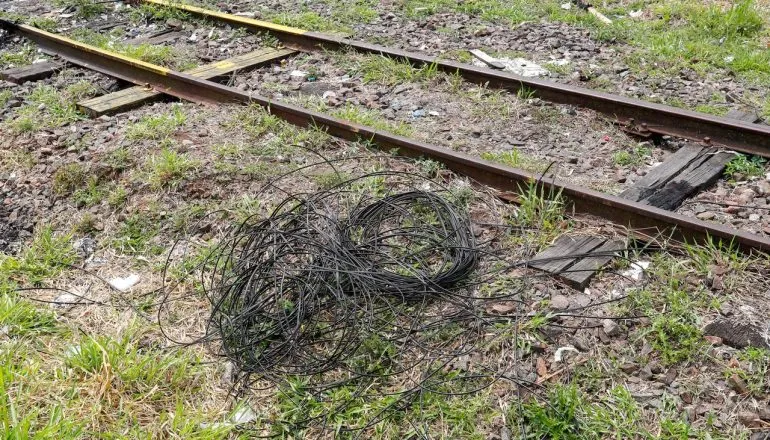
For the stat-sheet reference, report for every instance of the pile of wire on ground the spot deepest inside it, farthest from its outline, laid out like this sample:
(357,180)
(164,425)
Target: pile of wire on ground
(377,291)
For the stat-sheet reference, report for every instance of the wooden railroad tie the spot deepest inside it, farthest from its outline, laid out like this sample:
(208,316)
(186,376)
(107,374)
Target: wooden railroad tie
(32,72)
(133,97)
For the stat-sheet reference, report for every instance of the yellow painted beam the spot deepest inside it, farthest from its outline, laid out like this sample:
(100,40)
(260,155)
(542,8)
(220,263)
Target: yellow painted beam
(93,49)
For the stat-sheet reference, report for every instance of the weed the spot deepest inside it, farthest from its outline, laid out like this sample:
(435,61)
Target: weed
(157,127)
(371,119)
(69,178)
(515,159)
(24,319)
(712,252)
(91,194)
(48,255)
(169,168)
(755,374)
(5,97)
(147,12)
(117,197)
(636,156)
(308,20)
(330,180)
(119,159)
(83,8)
(155,54)
(388,71)
(430,167)
(12,59)
(49,108)
(743,167)
(135,235)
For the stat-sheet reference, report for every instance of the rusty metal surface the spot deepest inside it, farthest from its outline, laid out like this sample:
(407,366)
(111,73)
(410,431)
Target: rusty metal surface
(659,119)
(645,220)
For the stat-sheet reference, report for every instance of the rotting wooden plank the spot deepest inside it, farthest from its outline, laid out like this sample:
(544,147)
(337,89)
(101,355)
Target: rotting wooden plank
(136,96)
(663,173)
(699,175)
(580,273)
(32,72)
(556,258)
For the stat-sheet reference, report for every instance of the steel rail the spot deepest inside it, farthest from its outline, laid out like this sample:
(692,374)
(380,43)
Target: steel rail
(643,219)
(636,115)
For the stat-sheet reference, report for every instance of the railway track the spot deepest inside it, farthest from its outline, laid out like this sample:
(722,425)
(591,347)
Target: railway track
(636,116)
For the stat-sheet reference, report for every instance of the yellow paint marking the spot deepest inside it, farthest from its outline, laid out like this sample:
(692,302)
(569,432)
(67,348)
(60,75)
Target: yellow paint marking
(224,65)
(229,17)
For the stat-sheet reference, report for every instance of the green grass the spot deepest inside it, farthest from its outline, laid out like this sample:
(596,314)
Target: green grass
(168,168)
(387,71)
(745,167)
(83,8)
(516,159)
(371,118)
(754,367)
(155,54)
(569,414)
(634,156)
(157,127)
(135,235)
(46,256)
(50,108)
(68,178)
(21,58)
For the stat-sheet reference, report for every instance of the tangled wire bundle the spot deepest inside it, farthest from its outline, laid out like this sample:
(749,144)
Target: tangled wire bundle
(307,287)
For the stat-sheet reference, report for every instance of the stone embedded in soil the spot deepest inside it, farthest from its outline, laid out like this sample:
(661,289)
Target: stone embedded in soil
(706,215)
(739,331)
(749,419)
(611,328)
(738,384)
(559,302)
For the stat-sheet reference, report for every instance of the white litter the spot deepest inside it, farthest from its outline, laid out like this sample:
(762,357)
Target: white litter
(243,415)
(123,284)
(559,355)
(519,66)
(566,6)
(636,271)
(66,299)
(329,94)
(298,74)
(636,14)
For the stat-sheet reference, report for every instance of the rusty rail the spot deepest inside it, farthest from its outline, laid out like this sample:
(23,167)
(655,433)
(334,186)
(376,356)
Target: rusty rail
(636,216)
(636,115)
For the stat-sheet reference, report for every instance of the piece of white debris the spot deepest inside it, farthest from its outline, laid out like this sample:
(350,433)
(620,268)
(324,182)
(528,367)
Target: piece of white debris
(434,113)
(123,284)
(243,415)
(566,6)
(559,355)
(636,270)
(636,14)
(193,37)
(66,299)
(298,74)
(329,94)
(729,59)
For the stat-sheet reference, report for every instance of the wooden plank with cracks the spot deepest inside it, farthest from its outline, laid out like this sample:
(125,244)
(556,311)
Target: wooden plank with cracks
(691,180)
(580,273)
(559,256)
(32,72)
(136,96)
